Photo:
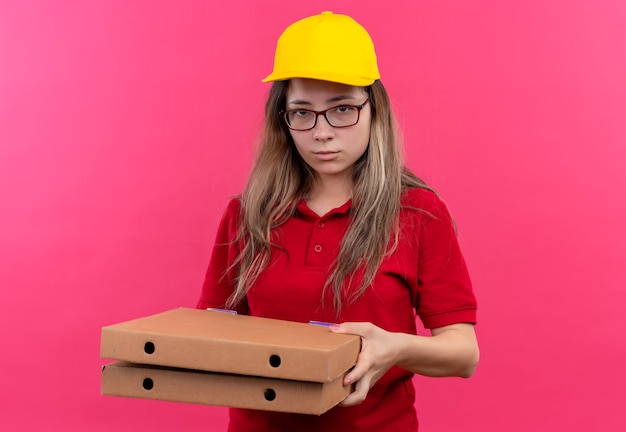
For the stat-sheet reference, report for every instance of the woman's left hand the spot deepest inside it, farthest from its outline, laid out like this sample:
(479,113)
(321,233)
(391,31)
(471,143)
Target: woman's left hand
(379,351)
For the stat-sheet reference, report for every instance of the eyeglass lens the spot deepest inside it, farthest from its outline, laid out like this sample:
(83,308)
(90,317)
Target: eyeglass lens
(341,116)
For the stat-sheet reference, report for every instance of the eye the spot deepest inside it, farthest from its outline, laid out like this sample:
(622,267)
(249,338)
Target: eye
(344,109)
(300,113)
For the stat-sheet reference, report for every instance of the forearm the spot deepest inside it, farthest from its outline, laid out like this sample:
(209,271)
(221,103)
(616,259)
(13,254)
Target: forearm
(450,351)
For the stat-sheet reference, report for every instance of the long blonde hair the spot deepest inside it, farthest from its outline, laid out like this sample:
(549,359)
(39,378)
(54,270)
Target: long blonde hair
(280,179)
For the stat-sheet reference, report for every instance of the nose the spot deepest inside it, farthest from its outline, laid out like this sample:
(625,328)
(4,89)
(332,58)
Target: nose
(323,130)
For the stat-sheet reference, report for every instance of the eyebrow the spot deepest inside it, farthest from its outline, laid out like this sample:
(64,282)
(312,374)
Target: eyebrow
(337,98)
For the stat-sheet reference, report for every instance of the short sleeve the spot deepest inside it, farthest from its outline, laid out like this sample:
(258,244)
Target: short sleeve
(445,294)
(219,281)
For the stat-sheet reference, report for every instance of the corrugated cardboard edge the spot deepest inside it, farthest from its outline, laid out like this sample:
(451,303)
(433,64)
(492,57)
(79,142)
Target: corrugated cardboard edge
(207,388)
(125,342)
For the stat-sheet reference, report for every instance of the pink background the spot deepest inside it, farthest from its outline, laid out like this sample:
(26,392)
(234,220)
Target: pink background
(126,125)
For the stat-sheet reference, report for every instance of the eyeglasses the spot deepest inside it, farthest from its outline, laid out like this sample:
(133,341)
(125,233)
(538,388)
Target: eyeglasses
(339,117)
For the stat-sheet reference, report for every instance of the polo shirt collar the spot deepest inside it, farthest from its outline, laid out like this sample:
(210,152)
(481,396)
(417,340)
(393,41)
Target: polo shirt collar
(304,210)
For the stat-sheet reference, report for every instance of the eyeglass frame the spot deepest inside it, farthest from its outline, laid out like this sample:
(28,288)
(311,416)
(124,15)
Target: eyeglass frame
(283,115)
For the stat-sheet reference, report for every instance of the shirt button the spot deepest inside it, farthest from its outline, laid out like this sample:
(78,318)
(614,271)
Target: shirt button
(320,225)
(317,248)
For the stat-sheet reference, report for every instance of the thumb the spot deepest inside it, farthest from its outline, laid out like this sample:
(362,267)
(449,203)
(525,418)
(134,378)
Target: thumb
(355,328)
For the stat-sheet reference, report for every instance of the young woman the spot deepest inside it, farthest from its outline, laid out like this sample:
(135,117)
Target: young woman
(331,227)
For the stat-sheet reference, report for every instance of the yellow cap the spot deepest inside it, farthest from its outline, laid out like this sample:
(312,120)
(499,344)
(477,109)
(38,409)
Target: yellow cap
(329,47)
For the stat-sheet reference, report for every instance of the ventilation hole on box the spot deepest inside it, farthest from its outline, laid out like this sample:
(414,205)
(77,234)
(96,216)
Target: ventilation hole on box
(148,383)
(270,395)
(149,348)
(274,360)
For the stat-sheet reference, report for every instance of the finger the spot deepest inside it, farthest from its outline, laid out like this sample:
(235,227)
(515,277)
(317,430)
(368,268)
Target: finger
(355,328)
(359,394)
(360,369)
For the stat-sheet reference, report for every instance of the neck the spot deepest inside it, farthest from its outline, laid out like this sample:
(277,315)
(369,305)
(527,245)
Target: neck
(329,192)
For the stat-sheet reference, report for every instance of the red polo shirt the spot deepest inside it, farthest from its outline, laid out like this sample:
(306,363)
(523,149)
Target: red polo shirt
(426,275)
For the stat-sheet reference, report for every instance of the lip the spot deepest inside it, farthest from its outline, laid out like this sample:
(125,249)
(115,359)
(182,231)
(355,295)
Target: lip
(326,155)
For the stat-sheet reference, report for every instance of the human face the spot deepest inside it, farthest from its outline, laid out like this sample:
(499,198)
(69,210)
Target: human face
(331,152)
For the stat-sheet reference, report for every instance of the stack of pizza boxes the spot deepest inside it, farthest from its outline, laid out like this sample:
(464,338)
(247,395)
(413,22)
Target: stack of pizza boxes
(221,358)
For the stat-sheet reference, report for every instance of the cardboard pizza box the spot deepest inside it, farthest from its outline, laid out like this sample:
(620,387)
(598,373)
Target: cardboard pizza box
(229,343)
(209,388)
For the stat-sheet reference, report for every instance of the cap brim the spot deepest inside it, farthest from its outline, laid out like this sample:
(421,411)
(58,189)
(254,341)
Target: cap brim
(324,76)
